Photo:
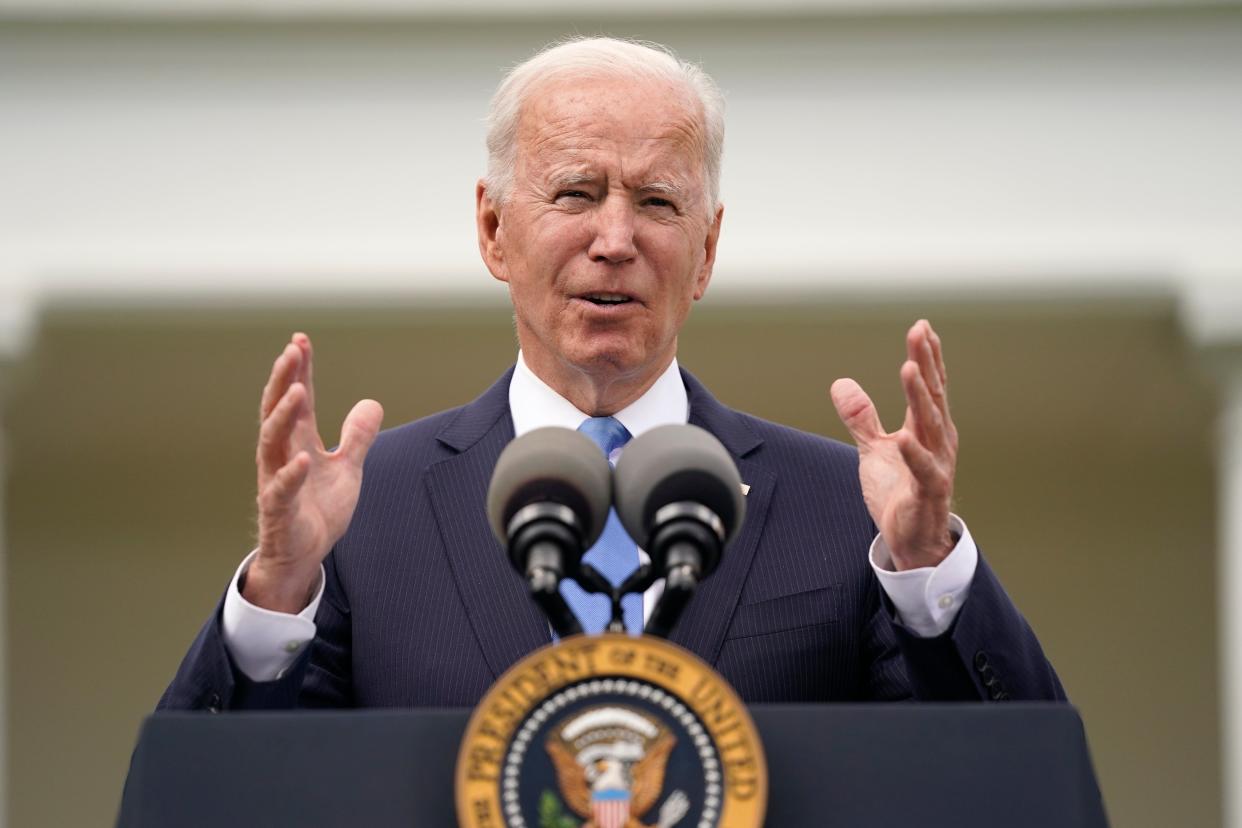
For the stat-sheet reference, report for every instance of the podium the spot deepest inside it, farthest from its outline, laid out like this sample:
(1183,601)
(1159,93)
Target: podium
(855,766)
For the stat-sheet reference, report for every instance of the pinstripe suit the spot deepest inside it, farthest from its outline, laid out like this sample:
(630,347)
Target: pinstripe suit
(422,608)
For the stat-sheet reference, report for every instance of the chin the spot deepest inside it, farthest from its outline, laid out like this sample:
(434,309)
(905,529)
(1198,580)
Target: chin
(606,358)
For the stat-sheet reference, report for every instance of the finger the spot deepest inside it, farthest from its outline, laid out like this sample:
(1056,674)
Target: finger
(283,371)
(856,411)
(922,464)
(918,349)
(276,430)
(937,354)
(288,480)
(359,430)
(927,363)
(307,374)
(923,415)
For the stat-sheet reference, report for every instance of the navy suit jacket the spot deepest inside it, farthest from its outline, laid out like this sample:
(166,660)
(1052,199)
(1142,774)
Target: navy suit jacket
(421,606)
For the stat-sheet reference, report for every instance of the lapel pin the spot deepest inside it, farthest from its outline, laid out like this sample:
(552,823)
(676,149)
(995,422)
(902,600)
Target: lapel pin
(745,489)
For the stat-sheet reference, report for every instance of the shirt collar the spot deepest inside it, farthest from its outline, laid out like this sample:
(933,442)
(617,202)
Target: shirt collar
(534,404)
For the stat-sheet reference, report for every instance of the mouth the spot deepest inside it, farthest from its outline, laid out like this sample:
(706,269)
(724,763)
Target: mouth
(606,300)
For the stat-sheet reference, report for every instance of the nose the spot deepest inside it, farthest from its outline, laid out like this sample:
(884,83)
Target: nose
(614,232)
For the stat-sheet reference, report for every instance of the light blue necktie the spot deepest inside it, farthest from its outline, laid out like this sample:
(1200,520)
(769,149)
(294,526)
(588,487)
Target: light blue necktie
(615,555)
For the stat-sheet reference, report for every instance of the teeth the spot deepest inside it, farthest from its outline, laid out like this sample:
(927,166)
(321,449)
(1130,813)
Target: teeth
(607,297)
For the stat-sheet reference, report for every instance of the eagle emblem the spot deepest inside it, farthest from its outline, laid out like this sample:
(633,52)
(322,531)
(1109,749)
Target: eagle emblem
(610,762)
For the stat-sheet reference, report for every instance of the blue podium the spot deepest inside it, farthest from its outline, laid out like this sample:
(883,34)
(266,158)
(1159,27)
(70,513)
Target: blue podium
(857,766)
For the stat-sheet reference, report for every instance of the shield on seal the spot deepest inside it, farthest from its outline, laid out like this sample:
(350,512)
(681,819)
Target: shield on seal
(610,808)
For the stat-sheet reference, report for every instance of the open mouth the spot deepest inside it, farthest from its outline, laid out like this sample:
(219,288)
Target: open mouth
(606,300)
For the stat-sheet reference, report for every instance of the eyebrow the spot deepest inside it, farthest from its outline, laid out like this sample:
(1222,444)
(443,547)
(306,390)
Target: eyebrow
(573,178)
(663,188)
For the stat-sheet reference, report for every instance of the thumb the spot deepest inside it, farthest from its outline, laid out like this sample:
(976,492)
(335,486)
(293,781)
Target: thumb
(359,430)
(857,411)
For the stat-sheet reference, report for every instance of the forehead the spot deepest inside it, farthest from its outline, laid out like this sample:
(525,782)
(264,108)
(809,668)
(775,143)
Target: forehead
(583,121)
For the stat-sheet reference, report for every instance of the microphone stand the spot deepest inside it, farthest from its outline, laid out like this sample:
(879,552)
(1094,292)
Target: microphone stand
(679,587)
(545,590)
(593,581)
(686,543)
(545,536)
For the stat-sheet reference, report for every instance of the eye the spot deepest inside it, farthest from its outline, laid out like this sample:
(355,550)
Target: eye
(659,203)
(572,195)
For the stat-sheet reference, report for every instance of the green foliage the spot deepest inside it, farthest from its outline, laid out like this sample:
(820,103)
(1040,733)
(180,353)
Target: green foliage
(552,815)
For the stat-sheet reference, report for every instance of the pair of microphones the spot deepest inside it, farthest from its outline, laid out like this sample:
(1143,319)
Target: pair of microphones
(676,490)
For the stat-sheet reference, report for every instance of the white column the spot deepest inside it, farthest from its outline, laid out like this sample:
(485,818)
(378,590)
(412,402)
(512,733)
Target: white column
(1211,311)
(5,672)
(17,322)
(1229,599)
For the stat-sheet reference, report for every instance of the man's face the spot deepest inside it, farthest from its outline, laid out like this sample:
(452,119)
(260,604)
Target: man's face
(607,236)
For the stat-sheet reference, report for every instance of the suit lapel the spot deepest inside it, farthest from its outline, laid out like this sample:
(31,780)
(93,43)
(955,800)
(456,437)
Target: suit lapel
(706,618)
(506,622)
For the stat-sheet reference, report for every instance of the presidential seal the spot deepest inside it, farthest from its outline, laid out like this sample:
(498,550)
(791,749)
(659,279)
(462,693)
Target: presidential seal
(611,731)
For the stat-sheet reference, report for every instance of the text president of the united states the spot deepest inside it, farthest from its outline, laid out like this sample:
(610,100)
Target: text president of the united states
(376,580)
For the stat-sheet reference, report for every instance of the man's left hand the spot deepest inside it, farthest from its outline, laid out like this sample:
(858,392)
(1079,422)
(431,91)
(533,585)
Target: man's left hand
(907,476)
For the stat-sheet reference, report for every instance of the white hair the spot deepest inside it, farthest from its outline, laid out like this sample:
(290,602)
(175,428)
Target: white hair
(595,57)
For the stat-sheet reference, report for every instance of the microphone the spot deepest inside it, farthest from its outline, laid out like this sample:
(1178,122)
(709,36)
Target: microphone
(679,496)
(547,503)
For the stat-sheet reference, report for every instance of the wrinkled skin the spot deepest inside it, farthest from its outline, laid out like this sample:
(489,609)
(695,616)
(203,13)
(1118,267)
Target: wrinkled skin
(608,198)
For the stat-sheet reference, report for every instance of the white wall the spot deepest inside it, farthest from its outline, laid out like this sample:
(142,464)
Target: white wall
(423,9)
(1077,152)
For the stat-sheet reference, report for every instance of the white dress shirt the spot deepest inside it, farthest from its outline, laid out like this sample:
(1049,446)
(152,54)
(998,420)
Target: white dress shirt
(263,643)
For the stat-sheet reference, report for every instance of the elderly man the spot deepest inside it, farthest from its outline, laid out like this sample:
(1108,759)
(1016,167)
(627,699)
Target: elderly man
(376,580)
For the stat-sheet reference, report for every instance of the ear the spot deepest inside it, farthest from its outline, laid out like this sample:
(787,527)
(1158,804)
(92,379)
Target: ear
(709,257)
(487,221)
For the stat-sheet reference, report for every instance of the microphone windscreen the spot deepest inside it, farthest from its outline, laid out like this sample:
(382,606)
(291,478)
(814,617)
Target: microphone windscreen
(551,465)
(671,464)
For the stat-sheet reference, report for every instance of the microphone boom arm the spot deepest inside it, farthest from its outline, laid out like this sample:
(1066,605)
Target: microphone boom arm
(543,534)
(687,542)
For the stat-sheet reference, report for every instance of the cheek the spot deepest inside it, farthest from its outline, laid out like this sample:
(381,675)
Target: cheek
(532,301)
(687,288)
(676,304)
(560,238)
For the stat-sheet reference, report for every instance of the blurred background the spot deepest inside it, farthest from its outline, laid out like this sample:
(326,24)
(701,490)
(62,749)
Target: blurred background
(1056,184)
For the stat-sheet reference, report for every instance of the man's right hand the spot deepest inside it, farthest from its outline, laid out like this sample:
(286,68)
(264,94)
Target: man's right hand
(307,494)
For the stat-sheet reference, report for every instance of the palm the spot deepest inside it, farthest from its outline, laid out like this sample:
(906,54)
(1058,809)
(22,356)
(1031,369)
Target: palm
(320,514)
(907,475)
(895,499)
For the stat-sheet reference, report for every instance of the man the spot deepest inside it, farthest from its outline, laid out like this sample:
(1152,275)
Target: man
(600,211)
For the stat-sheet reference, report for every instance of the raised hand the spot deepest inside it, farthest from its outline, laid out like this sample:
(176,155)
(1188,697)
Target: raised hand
(907,476)
(306,494)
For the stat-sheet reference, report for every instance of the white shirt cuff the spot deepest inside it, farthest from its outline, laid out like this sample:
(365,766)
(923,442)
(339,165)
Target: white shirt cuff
(927,599)
(262,643)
